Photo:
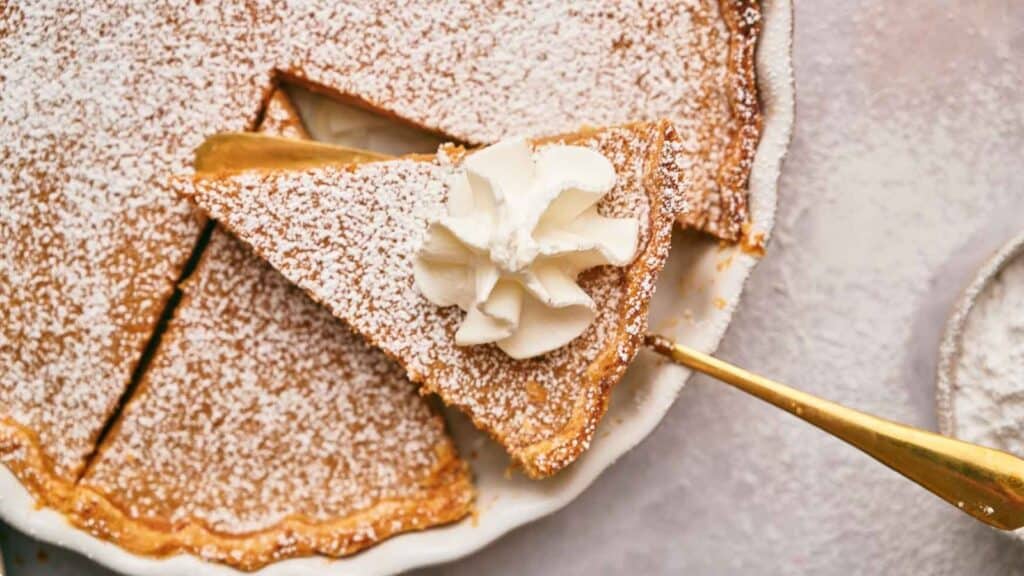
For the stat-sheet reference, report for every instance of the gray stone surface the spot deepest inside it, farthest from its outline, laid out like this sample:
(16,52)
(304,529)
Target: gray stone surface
(904,173)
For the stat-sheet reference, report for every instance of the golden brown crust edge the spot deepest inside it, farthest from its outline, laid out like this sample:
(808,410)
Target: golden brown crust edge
(545,458)
(743,19)
(448,497)
(21,454)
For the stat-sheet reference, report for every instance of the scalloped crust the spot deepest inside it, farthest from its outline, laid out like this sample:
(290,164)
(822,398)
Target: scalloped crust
(449,499)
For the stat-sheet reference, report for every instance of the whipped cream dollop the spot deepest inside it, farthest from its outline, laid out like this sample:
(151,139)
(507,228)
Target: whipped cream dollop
(521,226)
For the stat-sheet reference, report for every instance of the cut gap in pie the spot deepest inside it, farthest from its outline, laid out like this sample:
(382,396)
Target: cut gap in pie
(264,429)
(331,118)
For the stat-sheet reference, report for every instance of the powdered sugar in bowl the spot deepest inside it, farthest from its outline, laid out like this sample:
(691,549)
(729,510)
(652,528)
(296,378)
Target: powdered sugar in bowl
(981,367)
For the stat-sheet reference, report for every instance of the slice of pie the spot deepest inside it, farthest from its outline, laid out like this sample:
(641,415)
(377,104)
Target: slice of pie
(347,235)
(265,429)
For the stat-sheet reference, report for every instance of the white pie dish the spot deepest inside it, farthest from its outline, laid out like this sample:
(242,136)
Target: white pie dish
(697,295)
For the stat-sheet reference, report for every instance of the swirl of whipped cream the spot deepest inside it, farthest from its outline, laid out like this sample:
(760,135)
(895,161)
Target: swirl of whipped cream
(520,228)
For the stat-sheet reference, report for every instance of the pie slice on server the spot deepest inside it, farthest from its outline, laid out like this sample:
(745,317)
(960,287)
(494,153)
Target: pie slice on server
(348,234)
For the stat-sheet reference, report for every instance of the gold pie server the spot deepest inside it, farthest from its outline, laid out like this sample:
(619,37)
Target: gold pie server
(986,483)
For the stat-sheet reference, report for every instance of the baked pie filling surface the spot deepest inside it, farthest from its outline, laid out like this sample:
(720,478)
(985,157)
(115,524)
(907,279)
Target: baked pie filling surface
(102,102)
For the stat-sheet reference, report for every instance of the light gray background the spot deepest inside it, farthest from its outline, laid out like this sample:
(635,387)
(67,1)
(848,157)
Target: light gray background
(904,173)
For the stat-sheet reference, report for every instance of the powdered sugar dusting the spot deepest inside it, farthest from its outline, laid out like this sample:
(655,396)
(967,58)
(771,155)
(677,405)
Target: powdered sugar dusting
(261,406)
(348,235)
(101,100)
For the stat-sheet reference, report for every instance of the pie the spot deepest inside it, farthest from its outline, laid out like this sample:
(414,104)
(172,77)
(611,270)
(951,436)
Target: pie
(346,233)
(102,101)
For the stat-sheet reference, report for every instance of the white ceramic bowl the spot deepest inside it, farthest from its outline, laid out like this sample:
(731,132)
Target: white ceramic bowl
(696,296)
(949,386)
(949,353)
